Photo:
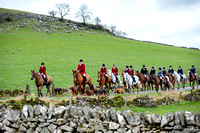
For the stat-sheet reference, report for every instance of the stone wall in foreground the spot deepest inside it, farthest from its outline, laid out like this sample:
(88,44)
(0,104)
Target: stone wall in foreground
(85,119)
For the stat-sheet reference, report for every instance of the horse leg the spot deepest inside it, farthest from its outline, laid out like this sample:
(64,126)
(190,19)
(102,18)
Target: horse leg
(133,88)
(79,88)
(41,91)
(84,88)
(137,88)
(48,90)
(38,92)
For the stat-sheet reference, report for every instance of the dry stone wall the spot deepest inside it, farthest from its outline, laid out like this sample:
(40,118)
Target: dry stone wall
(72,119)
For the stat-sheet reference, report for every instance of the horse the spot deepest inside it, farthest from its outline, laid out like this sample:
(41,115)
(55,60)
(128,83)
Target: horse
(193,79)
(179,79)
(143,80)
(157,81)
(102,80)
(114,79)
(39,82)
(171,79)
(128,80)
(78,80)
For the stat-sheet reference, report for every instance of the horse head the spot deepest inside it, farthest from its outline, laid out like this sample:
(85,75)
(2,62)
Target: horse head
(75,74)
(32,74)
(100,74)
(138,73)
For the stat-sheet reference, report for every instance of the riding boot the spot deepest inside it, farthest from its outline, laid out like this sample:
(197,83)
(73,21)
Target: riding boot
(106,79)
(45,79)
(133,79)
(84,80)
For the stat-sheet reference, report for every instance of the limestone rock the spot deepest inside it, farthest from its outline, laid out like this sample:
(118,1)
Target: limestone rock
(12,115)
(156,118)
(129,116)
(113,115)
(197,119)
(37,109)
(45,130)
(139,118)
(189,118)
(66,128)
(181,118)
(113,126)
(43,110)
(148,117)
(120,118)
(168,117)
(52,127)
(59,112)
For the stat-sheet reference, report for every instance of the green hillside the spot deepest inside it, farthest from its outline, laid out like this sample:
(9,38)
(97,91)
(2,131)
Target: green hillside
(61,52)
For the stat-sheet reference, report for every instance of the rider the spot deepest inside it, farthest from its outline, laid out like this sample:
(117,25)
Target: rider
(153,71)
(160,75)
(131,72)
(81,70)
(104,71)
(164,71)
(171,71)
(180,71)
(126,70)
(115,71)
(193,71)
(144,71)
(42,72)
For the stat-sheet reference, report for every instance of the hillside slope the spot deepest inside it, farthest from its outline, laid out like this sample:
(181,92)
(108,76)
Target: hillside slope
(61,47)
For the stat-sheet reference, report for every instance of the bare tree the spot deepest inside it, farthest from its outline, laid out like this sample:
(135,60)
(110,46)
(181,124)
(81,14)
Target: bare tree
(63,9)
(97,20)
(113,29)
(84,13)
(52,13)
(120,33)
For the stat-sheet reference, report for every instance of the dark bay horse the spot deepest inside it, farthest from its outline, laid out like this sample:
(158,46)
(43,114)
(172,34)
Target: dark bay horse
(193,79)
(39,82)
(78,80)
(171,79)
(102,80)
(157,82)
(143,80)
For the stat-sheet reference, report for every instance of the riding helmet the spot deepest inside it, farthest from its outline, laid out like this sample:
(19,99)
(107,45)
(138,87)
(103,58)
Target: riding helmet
(81,60)
(192,65)
(179,66)
(143,66)
(130,66)
(103,64)
(126,66)
(159,68)
(42,63)
(170,66)
(152,67)
(163,68)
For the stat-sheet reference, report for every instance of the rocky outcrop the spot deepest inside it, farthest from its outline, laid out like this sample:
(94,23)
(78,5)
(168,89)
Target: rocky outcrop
(85,119)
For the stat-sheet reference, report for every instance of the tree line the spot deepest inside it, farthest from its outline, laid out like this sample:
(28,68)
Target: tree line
(83,14)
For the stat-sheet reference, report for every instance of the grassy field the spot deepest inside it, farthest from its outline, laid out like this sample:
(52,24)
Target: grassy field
(162,109)
(61,53)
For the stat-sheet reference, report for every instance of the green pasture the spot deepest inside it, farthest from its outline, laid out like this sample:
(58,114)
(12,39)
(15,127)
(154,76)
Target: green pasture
(61,53)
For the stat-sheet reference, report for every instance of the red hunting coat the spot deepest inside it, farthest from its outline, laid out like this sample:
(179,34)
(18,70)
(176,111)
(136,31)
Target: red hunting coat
(115,71)
(81,69)
(104,70)
(43,70)
(131,71)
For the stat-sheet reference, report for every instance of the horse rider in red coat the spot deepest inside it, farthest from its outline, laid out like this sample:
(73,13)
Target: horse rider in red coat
(104,71)
(131,72)
(81,70)
(42,72)
(115,72)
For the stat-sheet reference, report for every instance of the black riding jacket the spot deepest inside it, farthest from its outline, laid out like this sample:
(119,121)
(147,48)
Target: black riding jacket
(144,71)
(152,72)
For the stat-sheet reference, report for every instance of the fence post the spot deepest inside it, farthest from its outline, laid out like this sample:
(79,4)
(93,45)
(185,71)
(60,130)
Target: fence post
(52,90)
(179,97)
(98,100)
(28,89)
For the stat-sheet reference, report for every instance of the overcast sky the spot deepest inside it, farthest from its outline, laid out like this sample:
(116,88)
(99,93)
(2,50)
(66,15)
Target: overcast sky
(175,22)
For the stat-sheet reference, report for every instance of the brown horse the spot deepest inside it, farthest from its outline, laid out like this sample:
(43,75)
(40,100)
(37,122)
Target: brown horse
(78,80)
(166,83)
(193,79)
(143,80)
(102,80)
(39,82)
(171,79)
(157,82)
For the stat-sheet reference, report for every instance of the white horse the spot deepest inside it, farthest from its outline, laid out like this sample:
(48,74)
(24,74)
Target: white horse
(179,79)
(129,81)
(114,80)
